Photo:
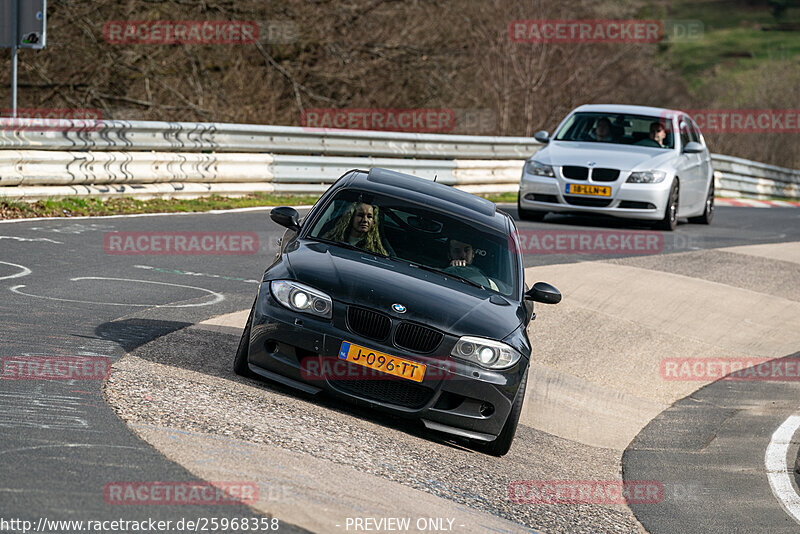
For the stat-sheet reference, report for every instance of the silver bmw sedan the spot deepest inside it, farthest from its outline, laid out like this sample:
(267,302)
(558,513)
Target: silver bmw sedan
(627,161)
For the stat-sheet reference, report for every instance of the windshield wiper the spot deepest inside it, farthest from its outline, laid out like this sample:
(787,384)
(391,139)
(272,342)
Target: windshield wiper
(439,271)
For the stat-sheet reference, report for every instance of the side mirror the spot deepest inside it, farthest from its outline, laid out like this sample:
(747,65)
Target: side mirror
(542,136)
(543,292)
(286,216)
(693,147)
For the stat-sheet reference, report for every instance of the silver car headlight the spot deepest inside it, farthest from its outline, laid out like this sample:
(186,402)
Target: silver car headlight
(301,298)
(539,169)
(646,177)
(485,352)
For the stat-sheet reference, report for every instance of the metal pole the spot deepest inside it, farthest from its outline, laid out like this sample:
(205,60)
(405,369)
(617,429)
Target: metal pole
(15,36)
(14,82)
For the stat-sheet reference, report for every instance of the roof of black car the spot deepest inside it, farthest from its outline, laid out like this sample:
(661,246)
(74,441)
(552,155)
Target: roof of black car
(436,194)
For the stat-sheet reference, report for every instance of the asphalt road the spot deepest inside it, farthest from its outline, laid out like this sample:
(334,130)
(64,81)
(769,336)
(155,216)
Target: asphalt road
(709,448)
(61,445)
(65,294)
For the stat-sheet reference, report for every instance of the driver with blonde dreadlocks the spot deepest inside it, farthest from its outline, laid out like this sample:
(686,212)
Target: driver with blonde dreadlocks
(358,226)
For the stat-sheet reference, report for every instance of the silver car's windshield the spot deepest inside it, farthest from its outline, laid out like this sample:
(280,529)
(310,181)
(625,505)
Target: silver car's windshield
(416,234)
(618,128)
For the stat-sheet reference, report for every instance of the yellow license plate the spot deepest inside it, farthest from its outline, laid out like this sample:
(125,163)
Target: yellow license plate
(380,361)
(593,190)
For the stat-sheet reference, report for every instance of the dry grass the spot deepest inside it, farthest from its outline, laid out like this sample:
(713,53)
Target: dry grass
(368,54)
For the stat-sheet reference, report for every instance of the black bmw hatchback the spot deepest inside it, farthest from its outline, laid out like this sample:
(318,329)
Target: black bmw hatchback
(405,295)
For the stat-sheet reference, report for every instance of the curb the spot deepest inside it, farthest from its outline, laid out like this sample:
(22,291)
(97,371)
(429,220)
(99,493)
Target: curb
(753,203)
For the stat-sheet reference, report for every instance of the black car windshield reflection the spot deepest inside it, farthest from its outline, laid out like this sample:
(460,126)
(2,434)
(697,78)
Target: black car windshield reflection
(425,238)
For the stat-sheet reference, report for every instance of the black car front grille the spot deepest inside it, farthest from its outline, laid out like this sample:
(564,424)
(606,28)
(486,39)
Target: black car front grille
(389,390)
(590,202)
(416,337)
(575,173)
(605,175)
(368,323)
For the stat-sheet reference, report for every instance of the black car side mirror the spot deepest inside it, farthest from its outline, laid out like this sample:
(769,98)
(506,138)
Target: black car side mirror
(286,216)
(542,136)
(543,292)
(693,147)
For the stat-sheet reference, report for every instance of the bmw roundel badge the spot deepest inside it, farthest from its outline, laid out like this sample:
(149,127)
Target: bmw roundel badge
(399,308)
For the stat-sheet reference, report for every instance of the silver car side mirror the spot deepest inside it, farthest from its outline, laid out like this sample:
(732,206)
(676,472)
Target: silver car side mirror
(693,147)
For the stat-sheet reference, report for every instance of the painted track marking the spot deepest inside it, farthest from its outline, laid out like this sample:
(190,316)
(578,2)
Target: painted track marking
(190,273)
(24,271)
(30,239)
(777,473)
(218,297)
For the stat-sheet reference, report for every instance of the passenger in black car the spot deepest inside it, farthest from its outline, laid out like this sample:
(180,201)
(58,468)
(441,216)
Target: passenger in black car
(359,226)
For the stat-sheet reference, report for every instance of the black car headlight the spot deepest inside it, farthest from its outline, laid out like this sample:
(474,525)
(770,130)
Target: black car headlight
(485,352)
(301,298)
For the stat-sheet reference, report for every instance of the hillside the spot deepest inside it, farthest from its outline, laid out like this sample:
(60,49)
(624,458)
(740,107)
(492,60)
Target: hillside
(433,54)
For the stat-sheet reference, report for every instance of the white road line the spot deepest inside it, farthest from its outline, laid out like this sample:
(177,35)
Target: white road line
(777,471)
(27,239)
(218,297)
(24,271)
(190,273)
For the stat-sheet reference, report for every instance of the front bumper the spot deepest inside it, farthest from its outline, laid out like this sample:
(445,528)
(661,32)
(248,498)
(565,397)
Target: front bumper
(631,201)
(454,396)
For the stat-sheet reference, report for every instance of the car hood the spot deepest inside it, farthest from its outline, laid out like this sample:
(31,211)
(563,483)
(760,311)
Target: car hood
(623,157)
(374,282)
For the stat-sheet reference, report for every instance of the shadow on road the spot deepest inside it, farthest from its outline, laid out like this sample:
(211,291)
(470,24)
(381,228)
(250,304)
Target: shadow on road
(133,333)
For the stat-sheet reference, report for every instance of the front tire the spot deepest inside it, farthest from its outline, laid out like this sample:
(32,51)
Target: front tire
(240,366)
(670,220)
(502,443)
(530,215)
(708,212)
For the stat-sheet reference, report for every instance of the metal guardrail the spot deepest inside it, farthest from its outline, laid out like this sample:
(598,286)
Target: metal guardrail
(146,159)
(744,178)
(129,136)
(35,174)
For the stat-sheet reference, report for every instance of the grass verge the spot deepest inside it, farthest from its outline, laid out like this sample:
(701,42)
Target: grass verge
(738,38)
(78,206)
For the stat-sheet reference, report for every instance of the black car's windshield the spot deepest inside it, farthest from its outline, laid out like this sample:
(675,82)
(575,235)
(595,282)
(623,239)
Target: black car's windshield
(420,236)
(618,128)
